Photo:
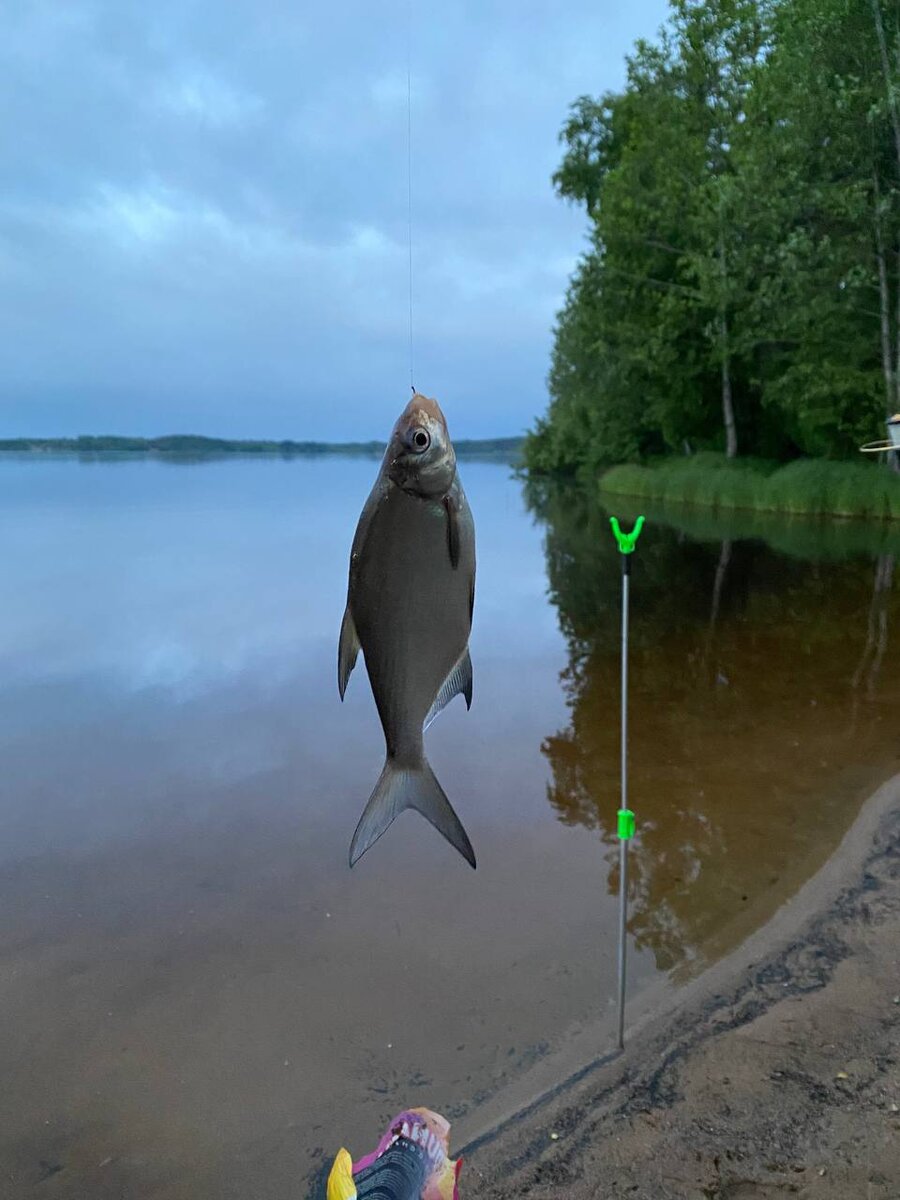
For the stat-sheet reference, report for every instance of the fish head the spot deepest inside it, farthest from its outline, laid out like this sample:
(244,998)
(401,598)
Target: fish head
(420,457)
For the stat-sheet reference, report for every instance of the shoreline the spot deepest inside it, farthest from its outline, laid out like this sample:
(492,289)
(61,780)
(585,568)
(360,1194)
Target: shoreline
(694,1108)
(805,486)
(725,510)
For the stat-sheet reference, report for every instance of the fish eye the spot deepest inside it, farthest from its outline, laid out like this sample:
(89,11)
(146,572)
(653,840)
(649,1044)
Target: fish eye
(420,440)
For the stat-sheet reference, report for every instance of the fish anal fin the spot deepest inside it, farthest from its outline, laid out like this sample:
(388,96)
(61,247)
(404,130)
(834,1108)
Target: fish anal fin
(348,649)
(458,682)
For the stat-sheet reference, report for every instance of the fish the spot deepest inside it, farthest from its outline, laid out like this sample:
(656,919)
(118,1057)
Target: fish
(410,599)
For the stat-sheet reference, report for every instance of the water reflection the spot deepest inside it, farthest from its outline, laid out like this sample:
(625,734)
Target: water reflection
(763,704)
(869,667)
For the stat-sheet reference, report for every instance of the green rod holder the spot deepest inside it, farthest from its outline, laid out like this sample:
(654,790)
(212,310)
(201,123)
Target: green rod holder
(626,823)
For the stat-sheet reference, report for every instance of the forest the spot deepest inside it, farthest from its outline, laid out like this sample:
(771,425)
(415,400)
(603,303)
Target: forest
(740,288)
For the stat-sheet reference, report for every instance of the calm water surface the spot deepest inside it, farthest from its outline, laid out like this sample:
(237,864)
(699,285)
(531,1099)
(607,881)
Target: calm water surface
(199,998)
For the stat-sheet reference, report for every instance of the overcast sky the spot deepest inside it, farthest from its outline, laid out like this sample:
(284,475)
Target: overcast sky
(203,210)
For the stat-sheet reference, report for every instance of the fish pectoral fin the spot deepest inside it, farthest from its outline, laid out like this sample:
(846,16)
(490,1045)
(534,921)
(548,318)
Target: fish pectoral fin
(451,506)
(458,682)
(400,788)
(348,649)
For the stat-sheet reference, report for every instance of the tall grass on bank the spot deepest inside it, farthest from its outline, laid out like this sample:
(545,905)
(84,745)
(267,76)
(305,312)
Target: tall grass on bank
(810,486)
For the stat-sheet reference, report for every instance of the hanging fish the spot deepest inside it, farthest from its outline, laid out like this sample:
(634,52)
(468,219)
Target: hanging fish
(409,608)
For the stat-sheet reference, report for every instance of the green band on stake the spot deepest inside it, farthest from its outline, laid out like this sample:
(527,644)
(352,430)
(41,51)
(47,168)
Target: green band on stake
(627,541)
(626,823)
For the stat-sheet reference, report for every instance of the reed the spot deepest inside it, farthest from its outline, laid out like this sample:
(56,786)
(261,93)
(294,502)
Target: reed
(809,486)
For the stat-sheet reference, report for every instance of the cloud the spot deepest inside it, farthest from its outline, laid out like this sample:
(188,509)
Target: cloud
(200,96)
(203,213)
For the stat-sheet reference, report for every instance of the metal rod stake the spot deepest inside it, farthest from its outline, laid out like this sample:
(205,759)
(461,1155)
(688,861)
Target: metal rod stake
(625,829)
(623,842)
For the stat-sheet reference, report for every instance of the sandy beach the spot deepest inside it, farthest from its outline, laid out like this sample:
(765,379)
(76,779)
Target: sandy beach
(777,1073)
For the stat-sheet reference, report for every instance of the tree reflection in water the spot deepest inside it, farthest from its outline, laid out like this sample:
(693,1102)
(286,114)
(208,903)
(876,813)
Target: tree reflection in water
(763,703)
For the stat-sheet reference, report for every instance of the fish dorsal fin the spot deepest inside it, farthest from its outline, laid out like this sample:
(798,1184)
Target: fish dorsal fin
(348,649)
(458,681)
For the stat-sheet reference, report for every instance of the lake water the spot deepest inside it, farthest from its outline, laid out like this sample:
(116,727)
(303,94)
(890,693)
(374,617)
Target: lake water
(199,999)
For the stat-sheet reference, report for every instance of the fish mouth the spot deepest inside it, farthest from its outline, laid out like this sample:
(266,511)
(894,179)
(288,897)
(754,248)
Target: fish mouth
(423,410)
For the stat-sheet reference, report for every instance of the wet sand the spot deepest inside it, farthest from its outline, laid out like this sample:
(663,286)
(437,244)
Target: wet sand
(777,1073)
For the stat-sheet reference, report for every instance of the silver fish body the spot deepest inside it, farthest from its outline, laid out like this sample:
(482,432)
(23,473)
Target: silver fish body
(409,608)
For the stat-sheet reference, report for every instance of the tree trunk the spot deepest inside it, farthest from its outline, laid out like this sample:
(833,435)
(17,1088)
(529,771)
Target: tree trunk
(886,71)
(727,405)
(884,297)
(727,402)
(892,375)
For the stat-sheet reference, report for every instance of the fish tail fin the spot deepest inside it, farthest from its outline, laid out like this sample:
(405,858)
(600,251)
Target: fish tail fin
(409,787)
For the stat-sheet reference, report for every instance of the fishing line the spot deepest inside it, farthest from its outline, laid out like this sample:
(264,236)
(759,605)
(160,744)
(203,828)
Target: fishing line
(409,180)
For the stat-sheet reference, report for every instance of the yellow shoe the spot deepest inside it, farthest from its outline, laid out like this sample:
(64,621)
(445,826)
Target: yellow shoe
(340,1180)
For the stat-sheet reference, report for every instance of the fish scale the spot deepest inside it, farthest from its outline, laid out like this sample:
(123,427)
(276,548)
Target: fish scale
(405,579)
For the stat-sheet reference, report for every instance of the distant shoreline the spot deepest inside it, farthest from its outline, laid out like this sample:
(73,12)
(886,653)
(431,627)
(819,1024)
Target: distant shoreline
(492,449)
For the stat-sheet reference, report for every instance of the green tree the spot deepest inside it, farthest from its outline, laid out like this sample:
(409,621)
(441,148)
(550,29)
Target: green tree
(742,283)
(826,156)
